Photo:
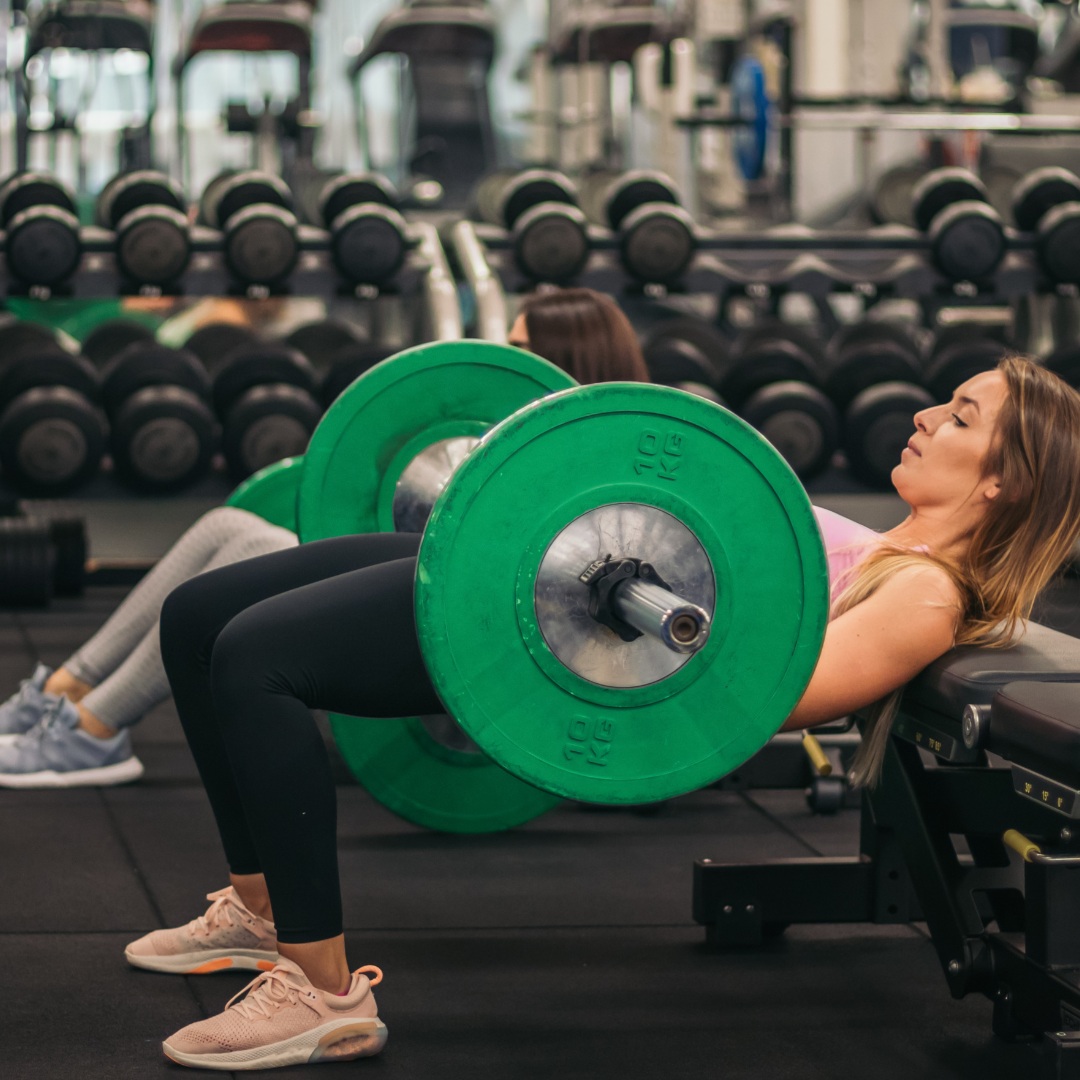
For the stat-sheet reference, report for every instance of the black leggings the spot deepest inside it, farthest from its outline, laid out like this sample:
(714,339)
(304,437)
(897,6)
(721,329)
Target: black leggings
(250,650)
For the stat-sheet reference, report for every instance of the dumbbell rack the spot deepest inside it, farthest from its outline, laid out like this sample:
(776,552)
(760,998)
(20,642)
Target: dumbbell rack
(99,276)
(889,260)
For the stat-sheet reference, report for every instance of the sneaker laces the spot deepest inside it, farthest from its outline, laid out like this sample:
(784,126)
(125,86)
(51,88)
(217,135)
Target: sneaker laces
(219,913)
(270,990)
(266,993)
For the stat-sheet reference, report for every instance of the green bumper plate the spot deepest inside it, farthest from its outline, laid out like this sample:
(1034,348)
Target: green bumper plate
(410,769)
(397,409)
(271,492)
(676,457)
(353,462)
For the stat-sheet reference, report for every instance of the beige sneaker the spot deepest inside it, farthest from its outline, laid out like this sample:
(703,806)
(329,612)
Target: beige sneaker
(284,1020)
(227,936)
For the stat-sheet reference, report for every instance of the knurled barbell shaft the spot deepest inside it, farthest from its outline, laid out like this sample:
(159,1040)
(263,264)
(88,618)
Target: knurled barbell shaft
(682,626)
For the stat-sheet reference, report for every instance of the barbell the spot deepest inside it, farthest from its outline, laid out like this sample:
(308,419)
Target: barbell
(621,591)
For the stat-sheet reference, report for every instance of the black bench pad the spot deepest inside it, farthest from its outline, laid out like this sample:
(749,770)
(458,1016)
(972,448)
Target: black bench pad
(971,675)
(1037,725)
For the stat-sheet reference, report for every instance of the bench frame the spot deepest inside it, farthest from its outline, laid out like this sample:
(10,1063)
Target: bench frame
(1001,927)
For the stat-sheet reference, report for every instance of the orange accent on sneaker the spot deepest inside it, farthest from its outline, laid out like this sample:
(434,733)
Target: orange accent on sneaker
(265,965)
(214,965)
(370,967)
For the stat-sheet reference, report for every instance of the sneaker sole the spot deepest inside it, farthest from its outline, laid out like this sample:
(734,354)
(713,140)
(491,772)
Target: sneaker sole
(338,1040)
(121,773)
(205,962)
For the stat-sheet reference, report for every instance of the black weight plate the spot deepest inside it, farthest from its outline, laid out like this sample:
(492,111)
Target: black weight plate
(52,366)
(551,242)
(487,193)
(877,427)
(27,190)
(528,189)
(152,245)
(346,365)
(866,353)
(108,339)
(214,341)
(268,423)
(68,536)
(209,200)
(318,341)
(657,243)
(350,189)
(26,562)
(941,188)
(959,362)
(633,190)
(228,195)
(949,335)
(129,191)
(150,364)
(51,441)
(1058,243)
(18,337)
(43,245)
(967,240)
(687,345)
(262,362)
(163,439)
(1040,191)
(261,246)
(368,243)
(799,421)
(767,353)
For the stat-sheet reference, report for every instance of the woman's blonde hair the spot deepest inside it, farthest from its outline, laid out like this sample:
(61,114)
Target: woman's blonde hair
(1019,545)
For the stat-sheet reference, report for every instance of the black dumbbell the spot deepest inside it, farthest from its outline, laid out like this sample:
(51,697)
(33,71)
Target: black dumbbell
(1046,202)
(110,337)
(52,432)
(685,350)
(213,341)
(367,233)
(656,235)
(265,394)
(960,352)
(164,433)
(146,210)
(347,364)
(966,234)
(890,200)
(254,212)
(873,375)
(1065,361)
(42,245)
(320,341)
(772,380)
(27,562)
(539,207)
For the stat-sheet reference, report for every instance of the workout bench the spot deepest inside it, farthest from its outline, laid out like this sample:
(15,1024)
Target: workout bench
(986,747)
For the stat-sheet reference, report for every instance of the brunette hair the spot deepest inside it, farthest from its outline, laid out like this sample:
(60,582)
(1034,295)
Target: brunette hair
(586,334)
(1027,532)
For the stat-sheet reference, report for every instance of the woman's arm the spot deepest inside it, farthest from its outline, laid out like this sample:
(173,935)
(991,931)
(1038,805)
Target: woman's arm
(880,644)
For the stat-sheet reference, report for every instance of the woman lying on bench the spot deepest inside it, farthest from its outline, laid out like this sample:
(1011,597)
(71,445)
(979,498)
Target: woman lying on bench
(992,480)
(95,697)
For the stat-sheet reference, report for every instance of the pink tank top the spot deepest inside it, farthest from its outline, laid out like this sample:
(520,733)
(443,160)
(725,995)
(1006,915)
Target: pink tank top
(847,543)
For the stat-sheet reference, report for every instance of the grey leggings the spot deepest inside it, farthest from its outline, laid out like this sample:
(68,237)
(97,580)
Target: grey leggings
(122,661)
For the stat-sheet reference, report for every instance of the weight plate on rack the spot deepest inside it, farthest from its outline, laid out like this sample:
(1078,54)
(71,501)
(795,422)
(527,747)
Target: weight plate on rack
(639,472)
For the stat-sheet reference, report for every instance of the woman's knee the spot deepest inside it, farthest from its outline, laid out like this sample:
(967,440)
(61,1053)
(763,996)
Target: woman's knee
(250,653)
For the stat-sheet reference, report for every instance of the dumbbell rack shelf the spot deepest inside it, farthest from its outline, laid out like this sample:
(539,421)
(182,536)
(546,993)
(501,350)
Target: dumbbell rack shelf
(208,275)
(888,260)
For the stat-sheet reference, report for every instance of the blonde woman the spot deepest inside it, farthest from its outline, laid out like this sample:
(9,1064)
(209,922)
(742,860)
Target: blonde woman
(992,479)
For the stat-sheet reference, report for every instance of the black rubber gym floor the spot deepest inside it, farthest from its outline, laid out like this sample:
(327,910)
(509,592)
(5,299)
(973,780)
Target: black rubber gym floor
(563,949)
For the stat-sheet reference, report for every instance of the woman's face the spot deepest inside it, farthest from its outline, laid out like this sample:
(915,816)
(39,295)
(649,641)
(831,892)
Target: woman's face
(942,464)
(519,333)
